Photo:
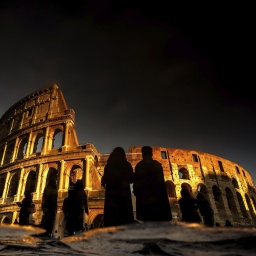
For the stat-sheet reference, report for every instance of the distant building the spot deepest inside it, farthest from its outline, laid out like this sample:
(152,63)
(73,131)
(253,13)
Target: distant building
(38,139)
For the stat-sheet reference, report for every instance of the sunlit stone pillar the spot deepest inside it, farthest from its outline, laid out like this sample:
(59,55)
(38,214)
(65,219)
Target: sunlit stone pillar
(15,150)
(21,185)
(4,151)
(30,146)
(46,141)
(6,185)
(87,173)
(62,167)
(39,179)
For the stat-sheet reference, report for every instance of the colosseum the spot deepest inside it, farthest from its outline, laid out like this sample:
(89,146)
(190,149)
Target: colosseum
(38,140)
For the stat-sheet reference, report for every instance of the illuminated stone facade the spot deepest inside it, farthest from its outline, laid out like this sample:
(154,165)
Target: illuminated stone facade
(38,139)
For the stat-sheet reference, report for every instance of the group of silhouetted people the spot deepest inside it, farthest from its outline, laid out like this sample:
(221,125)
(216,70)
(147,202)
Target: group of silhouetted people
(148,185)
(149,188)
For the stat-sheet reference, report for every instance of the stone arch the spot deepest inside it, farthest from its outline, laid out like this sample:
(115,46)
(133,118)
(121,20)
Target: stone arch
(232,204)
(22,148)
(203,189)
(170,189)
(31,181)
(13,185)
(242,207)
(248,201)
(76,173)
(218,199)
(57,139)
(52,174)
(9,152)
(186,186)
(235,183)
(96,221)
(1,154)
(6,220)
(38,143)
(183,173)
(254,202)
(2,184)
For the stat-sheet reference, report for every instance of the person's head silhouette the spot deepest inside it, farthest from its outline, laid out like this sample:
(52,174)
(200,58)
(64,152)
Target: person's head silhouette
(146,152)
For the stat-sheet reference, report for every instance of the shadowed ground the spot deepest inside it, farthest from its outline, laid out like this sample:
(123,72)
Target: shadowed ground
(135,239)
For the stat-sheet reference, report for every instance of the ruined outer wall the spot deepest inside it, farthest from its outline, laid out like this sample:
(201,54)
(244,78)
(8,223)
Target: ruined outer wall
(227,185)
(37,139)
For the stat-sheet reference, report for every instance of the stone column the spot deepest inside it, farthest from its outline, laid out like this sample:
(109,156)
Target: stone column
(46,141)
(6,184)
(4,151)
(87,173)
(21,186)
(15,150)
(39,178)
(30,146)
(62,167)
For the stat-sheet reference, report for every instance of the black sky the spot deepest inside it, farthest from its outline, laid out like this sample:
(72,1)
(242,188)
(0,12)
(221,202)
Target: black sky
(139,72)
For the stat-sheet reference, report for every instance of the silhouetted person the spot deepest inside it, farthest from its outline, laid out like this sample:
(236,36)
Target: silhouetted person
(152,203)
(80,205)
(188,207)
(68,209)
(205,210)
(117,177)
(228,224)
(24,205)
(49,205)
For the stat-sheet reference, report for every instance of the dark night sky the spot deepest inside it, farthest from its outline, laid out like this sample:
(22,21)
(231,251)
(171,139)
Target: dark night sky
(139,73)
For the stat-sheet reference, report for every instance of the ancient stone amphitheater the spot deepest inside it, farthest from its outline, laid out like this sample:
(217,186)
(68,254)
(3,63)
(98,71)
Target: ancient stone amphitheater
(38,139)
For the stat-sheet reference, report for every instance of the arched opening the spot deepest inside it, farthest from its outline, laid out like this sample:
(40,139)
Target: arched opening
(170,189)
(232,204)
(31,182)
(242,208)
(76,173)
(217,195)
(6,220)
(9,152)
(13,187)
(254,202)
(248,201)
(203,189)
(52,174)
(2,184)
(183,173)
(235,183)
(57,139)
(38,144)
(22,148)
(98,221)
(186,186)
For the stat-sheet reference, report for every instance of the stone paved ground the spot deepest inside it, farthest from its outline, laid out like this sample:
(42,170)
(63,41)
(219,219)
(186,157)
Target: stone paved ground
(136,239)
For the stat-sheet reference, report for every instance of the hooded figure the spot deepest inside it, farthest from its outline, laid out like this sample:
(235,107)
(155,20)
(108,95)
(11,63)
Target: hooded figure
(152,203)
(24,205)
(188,207)
(117,177)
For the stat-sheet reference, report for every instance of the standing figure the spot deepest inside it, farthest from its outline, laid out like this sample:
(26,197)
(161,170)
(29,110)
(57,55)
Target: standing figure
(152,203)
(117,177)
(188,207)
(49,205)
(24,205)
(68,209)
(80,205)
(205,210)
